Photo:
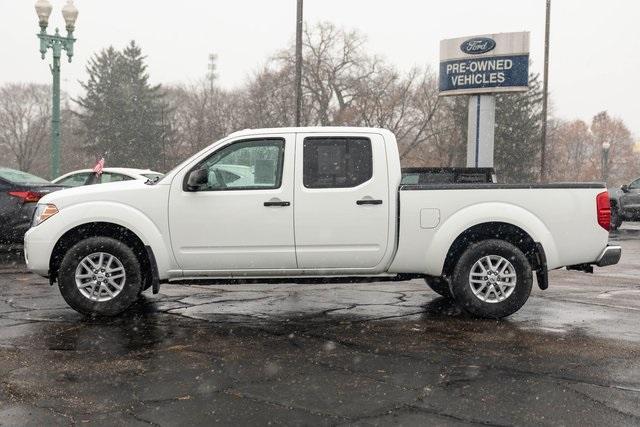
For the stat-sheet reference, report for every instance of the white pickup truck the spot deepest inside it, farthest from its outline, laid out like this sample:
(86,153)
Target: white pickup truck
(291,204)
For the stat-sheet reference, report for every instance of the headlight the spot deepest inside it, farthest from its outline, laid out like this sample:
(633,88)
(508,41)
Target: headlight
(43,212)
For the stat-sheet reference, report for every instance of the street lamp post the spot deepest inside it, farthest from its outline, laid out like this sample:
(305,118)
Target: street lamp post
(57,44)
(605,160)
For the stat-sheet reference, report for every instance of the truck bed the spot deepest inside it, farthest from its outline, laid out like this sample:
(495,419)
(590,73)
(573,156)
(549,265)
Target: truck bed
(562,217)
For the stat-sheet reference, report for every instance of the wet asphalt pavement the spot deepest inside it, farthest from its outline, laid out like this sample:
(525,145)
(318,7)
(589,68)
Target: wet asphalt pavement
(331,354)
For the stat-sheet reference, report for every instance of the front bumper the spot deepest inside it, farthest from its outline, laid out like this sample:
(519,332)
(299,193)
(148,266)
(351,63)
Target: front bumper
(609,256)
(37,252)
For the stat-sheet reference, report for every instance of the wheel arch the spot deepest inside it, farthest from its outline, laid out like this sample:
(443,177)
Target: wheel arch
(143,252)
(488,220)
(533,251)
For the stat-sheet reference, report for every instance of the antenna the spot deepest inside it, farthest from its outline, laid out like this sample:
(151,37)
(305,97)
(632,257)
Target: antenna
(212,75)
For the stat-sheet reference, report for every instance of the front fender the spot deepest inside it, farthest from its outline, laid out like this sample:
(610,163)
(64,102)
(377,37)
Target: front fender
(150,233)
(482,213)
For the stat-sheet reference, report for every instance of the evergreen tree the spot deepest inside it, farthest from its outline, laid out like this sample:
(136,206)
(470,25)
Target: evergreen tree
(518,134)
(121,111)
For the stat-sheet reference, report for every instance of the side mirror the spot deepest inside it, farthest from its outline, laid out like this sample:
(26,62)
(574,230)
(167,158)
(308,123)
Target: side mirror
(624,188)
(197,178)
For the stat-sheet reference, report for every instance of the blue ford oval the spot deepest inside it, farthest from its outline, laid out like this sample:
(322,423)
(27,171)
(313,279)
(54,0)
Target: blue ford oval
(478,45)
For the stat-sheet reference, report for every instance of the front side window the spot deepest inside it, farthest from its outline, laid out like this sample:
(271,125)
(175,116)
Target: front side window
(246,165)
(331,162)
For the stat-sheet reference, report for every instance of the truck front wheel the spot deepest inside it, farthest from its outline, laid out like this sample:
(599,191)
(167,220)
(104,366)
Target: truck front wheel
(492,279)
(100,276)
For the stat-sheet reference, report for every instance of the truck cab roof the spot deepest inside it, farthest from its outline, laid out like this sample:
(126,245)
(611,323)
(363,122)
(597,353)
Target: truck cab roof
(311,129)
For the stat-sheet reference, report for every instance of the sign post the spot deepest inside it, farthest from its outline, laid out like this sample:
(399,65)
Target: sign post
(480,131)
(481,66)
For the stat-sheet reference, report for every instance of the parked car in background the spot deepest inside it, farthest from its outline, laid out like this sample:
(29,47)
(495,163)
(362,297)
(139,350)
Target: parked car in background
(19,195)
(81,177)
(625,203)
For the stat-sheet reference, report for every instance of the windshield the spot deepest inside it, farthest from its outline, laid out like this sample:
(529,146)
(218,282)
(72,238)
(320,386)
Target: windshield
(19,177)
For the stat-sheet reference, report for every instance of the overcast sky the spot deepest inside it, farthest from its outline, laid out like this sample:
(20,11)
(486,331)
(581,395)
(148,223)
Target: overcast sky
(595,53)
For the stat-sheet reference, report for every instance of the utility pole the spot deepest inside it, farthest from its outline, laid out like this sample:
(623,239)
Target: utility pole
(298,63)
(164,144)
(545,96)
(212,74)
(605,160)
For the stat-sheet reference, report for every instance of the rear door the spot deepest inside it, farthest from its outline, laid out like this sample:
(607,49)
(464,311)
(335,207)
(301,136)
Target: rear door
(341,201)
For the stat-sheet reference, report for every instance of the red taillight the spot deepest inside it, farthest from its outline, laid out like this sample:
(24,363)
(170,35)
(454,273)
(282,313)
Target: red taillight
(27,196)
(604,210)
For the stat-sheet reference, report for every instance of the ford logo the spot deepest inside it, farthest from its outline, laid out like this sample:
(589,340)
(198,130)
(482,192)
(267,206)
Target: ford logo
(478,45)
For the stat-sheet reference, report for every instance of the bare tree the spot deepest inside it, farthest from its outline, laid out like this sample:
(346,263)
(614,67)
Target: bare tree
(576,150)
(198,115)
(24,121)
(622,159)
(335,64)
(343,85)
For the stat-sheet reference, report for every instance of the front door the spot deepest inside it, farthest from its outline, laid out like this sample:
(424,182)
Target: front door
(242,219)
(342,202)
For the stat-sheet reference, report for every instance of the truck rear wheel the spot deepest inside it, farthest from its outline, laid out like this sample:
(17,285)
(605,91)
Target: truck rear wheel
(492,279)
(100,276)
(440,286)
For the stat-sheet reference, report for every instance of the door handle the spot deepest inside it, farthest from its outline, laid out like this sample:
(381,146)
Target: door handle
(277,203)
(369,202)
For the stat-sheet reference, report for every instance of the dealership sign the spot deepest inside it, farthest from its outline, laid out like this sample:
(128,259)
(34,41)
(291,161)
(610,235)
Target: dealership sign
(485,64)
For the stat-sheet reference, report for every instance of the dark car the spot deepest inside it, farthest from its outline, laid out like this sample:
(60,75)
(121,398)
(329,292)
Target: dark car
(19,195)
(625,203)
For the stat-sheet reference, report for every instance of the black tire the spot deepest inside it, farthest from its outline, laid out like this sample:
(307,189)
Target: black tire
(462,288)
(440,286)
(82,304)
(616,218)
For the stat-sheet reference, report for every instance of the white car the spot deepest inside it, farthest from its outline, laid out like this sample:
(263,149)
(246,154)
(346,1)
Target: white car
(300,203)
(79,177)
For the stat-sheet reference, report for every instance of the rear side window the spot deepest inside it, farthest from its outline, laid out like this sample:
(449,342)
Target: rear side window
(75,180)
(114,177)
(341,162)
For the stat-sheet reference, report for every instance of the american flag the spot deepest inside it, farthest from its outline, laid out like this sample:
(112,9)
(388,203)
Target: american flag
(97,169)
